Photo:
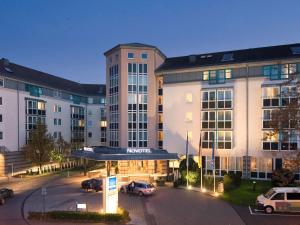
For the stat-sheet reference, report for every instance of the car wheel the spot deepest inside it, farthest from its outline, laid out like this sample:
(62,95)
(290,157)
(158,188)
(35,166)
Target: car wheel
(2,201)
(269,209)
(141,194)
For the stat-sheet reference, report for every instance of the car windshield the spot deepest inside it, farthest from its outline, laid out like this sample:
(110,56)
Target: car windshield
(270,193)
(149,185)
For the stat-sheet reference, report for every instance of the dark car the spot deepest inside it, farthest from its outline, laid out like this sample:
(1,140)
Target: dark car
(138,187)
(94,184)
(5,193)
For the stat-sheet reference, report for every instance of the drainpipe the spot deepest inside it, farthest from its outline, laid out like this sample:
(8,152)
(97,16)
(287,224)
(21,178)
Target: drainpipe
(247,121)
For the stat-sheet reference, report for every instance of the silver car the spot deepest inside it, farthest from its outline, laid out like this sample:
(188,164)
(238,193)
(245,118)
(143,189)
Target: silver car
(138,187)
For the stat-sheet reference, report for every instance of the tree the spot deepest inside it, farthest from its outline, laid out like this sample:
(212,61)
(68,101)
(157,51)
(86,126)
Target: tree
(285,121)
(39,145)
(60,151)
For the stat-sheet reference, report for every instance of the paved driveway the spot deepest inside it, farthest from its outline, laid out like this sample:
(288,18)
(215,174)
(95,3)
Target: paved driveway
(167,207)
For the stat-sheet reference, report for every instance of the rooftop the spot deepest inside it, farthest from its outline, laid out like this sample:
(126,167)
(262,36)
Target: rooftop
(25,74)
(135,45)
(231,57)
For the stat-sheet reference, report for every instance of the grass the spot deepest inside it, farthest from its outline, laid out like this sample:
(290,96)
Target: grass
(244,195)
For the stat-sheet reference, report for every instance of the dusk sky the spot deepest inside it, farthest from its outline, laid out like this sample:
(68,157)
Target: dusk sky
(67,38)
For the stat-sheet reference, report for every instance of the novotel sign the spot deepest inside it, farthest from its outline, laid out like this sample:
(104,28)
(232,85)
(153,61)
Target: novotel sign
(138,150)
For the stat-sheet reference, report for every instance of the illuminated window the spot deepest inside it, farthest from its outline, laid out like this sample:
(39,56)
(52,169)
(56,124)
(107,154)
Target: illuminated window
(160,136)
(41,105)
(205,75)
(103,123)
(270,96)
(188,116)
(270,140)
(160,118)
(190,135)
(189,97)
(228,74)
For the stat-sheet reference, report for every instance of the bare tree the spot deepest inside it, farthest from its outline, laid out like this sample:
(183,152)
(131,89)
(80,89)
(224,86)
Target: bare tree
(285,121)
(39,145)
(60,151)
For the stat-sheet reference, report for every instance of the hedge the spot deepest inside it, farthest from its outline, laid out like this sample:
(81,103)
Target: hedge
(121,216)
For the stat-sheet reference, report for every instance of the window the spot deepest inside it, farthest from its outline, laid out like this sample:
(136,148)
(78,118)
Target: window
(1,135)
(224,139)
(1,82)
(57,108)
(270,140)
(208,119)
(57,121)
(278,72)
(0,100)
(90,134)
(57,94)
(208,99)
(144,56)
(295,50)
(267,117)
(224,99)
(1,119)
(271,96)
(188,116)
(205,75)
(57,134)
(189,97)
(278,196)
(190,135)
(207,139)
(293,196)
(224,119)
(130,55)
(90,123)
(90,100)
(103,124)
(217,76)
(227,57)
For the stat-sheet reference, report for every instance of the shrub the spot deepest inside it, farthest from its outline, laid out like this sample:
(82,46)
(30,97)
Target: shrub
(193,166)
(122,215)
(282,178)
(176,183)
(231,181)
(193,177)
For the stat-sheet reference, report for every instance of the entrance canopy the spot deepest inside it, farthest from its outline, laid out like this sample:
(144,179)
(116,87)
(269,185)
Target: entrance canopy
(101,153)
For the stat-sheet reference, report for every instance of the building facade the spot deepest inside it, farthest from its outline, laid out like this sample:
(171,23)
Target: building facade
(132,103)
(69,109)
(226,99)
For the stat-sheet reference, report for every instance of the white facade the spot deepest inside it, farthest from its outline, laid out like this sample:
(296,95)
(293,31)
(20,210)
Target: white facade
(14,118)
(183,110)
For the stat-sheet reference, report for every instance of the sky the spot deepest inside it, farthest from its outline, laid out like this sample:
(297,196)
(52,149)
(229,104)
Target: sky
(67,38)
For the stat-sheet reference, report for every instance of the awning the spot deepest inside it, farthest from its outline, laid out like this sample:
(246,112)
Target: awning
(101,153)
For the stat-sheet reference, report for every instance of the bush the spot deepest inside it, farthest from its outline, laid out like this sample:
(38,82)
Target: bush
(193,166)
(121,216)
(176,183)
(193,177)
(160,181)
(282,178)
(232,181)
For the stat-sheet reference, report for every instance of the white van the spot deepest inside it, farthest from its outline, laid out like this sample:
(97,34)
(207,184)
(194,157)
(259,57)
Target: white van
(281,199)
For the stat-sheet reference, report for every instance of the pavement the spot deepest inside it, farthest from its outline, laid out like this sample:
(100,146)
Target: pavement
(169,206)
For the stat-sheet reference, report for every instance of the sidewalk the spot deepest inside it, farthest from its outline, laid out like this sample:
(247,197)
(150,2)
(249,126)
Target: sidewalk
(197,189)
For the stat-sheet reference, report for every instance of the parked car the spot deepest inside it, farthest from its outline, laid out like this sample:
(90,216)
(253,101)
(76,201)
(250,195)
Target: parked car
(138,187)
(94,184)
(280,199)
(5,193)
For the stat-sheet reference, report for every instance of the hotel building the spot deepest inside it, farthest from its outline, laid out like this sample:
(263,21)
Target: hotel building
(69,109)
(227,98)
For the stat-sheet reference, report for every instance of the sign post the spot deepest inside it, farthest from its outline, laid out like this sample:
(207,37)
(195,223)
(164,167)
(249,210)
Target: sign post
(110,194)
(44,193)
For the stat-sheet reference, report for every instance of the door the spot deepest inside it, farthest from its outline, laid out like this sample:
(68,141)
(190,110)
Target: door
(279,202)
(293,200)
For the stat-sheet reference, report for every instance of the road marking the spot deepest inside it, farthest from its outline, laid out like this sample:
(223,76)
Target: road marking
(264,214)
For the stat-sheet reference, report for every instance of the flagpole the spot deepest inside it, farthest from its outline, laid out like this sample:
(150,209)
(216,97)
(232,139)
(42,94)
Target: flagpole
(187,159)
(214,164)
(200,162)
